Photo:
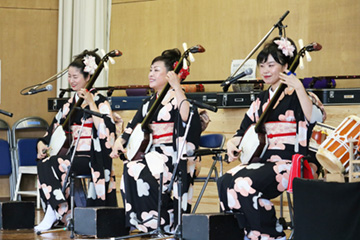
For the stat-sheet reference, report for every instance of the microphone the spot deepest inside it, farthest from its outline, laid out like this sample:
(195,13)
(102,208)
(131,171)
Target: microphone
(9,114)
(48,87)
(241,75)
(283,16)
(203,105)
(97,114)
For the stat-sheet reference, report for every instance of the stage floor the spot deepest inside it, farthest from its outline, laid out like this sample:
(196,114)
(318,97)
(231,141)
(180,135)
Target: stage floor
(29,234)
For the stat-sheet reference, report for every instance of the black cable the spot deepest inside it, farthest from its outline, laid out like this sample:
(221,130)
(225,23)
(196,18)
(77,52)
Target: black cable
(56,76)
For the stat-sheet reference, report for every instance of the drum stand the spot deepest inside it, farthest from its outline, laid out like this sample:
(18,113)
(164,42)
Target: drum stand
(353,163)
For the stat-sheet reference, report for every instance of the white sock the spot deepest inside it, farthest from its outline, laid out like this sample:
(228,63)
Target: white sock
(48,220)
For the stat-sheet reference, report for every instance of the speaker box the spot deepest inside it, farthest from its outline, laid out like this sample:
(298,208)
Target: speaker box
(211,226)
(326,210)
(17,215)
(100,222)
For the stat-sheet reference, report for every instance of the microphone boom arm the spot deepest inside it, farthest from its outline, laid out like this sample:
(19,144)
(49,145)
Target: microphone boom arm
(260,43)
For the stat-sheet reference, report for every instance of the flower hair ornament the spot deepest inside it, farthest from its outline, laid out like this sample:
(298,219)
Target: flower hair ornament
(285,46)
(90,64)
(183,72)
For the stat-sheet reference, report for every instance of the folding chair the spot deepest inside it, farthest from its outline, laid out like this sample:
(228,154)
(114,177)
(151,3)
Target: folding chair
(210,144)
(5,153)
(25,133)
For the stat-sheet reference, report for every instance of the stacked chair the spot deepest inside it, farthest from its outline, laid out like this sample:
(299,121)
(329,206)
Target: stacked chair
(5,153)
(25,133)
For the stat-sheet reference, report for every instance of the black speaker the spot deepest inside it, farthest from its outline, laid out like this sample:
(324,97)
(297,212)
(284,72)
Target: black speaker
(100,222)
(211,226)
(17,215)
(326,210)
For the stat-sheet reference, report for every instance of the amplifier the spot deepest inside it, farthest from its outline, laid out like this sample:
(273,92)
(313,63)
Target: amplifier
(17,215)
(100,222)
(211,226)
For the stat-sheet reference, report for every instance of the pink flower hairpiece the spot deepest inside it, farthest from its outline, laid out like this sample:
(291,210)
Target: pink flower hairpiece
(285,46)
(90,64)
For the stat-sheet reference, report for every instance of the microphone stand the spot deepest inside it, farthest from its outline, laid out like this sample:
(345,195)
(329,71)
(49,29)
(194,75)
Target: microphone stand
(178,231)
(52,78)
(70,225)
(9,114)
(276,25)
(158,232)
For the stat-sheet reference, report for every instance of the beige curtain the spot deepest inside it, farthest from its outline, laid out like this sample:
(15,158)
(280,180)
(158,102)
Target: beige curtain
(83,24)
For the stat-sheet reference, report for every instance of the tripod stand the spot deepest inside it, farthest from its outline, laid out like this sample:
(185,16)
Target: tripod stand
(177,174)
(70,224)
(158,232)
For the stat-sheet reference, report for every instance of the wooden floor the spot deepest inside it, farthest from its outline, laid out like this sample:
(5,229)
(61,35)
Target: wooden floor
(29,234)
(57,233)
(208,204)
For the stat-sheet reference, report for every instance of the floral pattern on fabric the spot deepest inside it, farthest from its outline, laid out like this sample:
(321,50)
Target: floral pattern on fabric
(93,155)
(140,181)
(249,188)
(280,133)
